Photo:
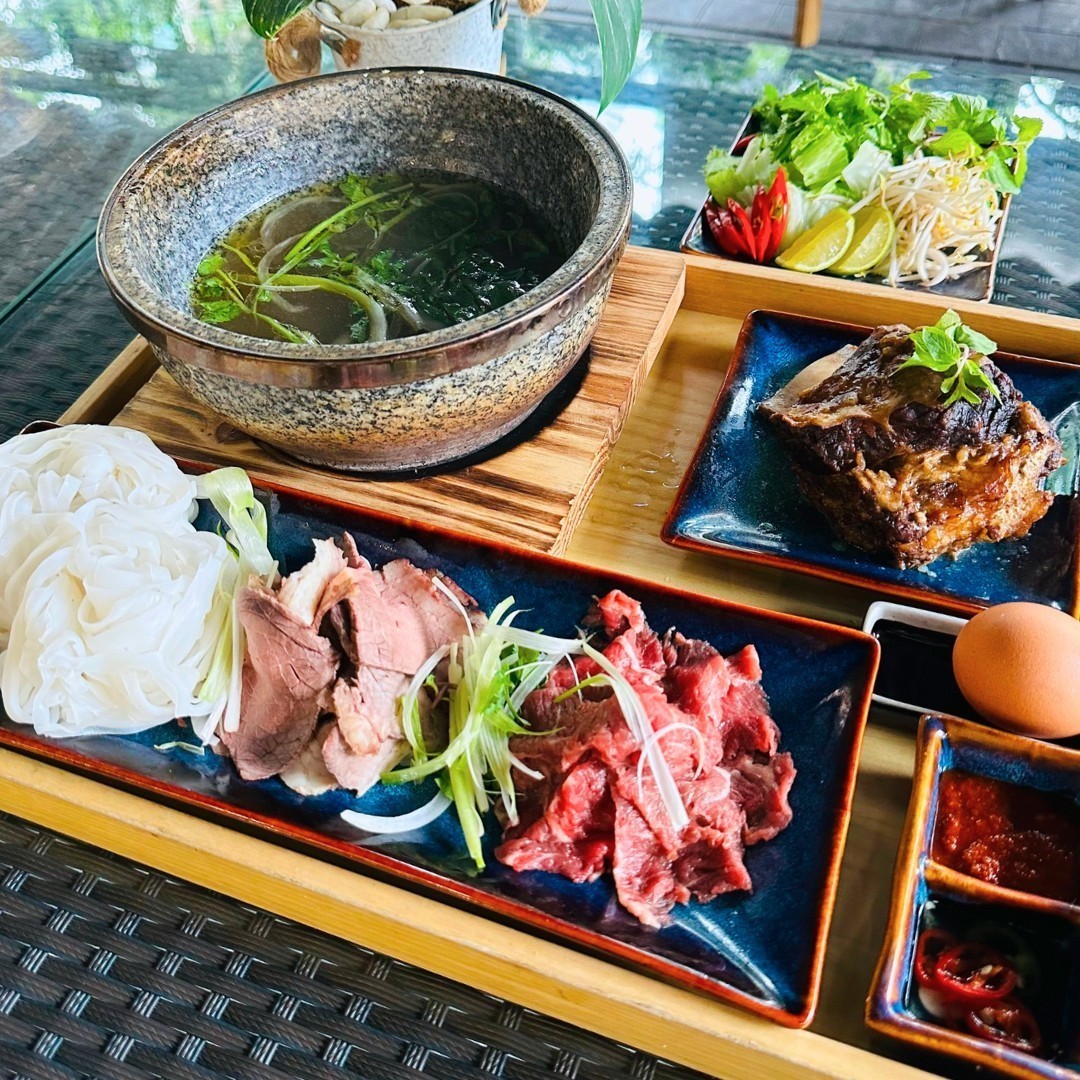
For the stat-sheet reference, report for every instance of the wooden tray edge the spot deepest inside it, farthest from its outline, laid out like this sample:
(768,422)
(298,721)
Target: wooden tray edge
(578,989)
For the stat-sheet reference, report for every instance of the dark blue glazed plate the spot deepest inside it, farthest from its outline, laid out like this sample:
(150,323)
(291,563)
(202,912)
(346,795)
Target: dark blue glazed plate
(739,497)
(925,893)
(762,950)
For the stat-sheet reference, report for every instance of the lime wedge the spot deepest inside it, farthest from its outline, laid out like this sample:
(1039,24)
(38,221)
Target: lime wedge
(870,242)
(821,245)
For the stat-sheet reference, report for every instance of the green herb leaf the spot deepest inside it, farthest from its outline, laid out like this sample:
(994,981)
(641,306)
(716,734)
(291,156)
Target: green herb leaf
(953,349)
(211,264)
(618,27)
(975,341)
(267,17)
(219,311)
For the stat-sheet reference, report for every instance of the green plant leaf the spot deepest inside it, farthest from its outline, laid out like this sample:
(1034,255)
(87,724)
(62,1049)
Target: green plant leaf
(618,26)
(267,17)
(975,341)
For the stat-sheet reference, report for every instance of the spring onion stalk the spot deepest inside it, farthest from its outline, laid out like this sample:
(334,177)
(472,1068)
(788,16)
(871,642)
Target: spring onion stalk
(399,823)
(641,728)
(409,703)
(486,672)
(490,672)
(230,492)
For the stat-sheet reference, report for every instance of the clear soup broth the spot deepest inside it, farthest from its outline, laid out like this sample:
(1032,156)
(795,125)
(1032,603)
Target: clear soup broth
(373,258)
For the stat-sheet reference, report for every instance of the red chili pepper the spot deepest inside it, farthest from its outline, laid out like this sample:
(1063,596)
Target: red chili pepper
(743,227)
(1006,1021)
(722,229)
(740,146)
(778,212)
(932,943)
(974,973)
(757,234)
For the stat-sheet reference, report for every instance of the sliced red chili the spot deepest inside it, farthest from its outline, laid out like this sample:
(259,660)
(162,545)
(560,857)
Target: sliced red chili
(743,227)
(778,212)
(722,229)
(1006,1021)
(761,223)
(974,972)
(741,144)
(932,943)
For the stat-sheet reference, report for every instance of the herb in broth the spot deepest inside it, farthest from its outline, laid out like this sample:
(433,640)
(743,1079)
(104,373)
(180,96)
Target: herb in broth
(374,258)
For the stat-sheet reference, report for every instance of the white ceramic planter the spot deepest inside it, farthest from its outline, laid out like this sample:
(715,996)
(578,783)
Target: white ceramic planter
(471,40)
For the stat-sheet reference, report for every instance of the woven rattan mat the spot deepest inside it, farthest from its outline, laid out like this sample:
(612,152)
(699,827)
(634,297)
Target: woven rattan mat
(110,970)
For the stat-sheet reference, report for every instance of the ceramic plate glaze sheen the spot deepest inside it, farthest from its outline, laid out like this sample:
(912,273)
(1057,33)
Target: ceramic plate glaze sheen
(739,497)
(762,950)
(948,743)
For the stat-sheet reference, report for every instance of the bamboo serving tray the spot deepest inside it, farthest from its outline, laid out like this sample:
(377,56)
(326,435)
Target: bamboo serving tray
(619,530)
(532,494)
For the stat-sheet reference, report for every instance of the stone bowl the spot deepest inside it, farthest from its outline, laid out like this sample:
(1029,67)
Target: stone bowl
(383,406)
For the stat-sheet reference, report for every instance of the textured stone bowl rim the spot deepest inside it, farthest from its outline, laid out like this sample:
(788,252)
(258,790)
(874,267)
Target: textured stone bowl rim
(284,363)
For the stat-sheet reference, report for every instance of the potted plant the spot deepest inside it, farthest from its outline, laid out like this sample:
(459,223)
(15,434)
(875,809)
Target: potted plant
(444,33)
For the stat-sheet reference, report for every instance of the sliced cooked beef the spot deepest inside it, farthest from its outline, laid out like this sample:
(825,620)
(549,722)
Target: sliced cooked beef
(287,673)
(366,708)
(596,800)
(302,592)
(896,471)
(358,772)
(339,639)
(395,618)
(307,773)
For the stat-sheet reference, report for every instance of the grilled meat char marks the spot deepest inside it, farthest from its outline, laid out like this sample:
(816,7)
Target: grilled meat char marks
(593,809)
(896,471)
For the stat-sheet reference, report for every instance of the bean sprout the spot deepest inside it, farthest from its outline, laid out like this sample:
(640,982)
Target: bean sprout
(946,211)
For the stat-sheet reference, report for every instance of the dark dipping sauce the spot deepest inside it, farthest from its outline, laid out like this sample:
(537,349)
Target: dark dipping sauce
(916,668)
(1008,835)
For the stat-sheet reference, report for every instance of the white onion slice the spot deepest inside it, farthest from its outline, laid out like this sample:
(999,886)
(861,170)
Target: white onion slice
(399,823)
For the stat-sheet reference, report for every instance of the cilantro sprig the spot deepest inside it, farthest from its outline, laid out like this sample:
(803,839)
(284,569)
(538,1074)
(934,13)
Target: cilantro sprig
(953,349)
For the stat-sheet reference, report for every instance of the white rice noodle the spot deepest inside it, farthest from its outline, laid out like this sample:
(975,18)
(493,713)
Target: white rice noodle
(946,214)
(48,475)
(116,625)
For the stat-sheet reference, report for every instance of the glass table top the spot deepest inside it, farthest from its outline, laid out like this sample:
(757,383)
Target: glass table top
(85,85)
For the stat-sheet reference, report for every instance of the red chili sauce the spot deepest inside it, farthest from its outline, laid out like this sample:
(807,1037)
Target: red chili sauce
(1008,835)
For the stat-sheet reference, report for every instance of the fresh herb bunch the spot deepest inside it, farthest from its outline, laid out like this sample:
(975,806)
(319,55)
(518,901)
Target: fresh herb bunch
(454,277)
(954,349)
(818,128)
(618,27)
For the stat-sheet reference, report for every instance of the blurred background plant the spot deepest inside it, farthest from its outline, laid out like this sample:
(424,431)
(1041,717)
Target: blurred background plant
(290,29)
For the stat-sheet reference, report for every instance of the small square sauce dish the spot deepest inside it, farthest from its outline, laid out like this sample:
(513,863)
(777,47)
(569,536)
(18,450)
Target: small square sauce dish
(981,959)
(915,675)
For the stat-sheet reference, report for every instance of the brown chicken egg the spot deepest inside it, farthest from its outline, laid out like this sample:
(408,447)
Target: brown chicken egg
(1018,665)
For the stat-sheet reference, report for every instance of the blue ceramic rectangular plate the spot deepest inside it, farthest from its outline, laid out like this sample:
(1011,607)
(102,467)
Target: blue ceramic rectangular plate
(739,497)
(1050,928)
(762,950)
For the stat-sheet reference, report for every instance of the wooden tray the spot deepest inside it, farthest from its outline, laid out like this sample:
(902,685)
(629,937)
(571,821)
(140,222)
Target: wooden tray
(532,494)
(620,530)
